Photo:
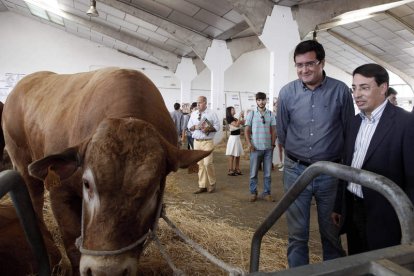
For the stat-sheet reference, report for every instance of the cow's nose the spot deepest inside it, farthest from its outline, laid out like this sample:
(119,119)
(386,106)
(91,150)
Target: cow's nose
(89,272)
(105,266)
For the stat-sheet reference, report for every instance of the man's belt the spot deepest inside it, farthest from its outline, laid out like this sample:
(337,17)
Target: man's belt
(202,140)
(306,164)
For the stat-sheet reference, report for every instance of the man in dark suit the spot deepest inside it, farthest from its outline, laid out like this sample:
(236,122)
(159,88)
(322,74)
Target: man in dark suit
(380,139)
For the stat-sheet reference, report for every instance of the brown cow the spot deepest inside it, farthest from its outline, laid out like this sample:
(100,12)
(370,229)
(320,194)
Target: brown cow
(16,257)
(109,137)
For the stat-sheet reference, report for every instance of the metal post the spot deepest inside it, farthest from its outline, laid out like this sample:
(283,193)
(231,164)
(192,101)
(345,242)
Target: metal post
(398,199)
(11,182)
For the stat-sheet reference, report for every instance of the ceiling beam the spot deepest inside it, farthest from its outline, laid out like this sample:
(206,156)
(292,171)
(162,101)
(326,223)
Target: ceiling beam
(240,46)
(232,32)
(197,42)
(166,58)
(409,80)
(309,15)
(400,21)
(255,12)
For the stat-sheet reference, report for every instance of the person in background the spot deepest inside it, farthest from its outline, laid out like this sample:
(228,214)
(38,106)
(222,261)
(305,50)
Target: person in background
(187,134)
(178,119)
(260,135)
(312,114)
(234,146)
(204,124)
(392,95)
(379,139)
(277,156)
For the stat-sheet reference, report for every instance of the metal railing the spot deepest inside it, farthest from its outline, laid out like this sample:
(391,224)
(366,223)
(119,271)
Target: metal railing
(398,199)
(11,182)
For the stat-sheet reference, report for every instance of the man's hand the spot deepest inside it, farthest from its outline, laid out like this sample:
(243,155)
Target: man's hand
(251,147)
(336,219)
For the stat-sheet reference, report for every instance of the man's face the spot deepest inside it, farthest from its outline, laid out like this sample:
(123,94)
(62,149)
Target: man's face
(309,69)
(367,94)
(261,103)
(201,104)
(393,99)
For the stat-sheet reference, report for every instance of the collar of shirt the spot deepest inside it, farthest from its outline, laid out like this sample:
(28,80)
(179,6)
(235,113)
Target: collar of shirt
(322,83)
(376,114)
(258,110)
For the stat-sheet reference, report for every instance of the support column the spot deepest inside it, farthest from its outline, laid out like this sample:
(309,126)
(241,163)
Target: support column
(186,72)
(280,36)
(218,60)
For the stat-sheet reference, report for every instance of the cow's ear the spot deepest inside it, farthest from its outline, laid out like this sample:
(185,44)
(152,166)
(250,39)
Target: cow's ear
(190,157)
(177,158)
(63,164)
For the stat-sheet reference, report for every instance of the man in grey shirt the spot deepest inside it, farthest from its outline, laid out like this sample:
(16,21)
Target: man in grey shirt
(311,117)
(178,119)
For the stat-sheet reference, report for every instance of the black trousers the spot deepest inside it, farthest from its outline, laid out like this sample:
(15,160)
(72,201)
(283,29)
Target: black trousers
(356,227)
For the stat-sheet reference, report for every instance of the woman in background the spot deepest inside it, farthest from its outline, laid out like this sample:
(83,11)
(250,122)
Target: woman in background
(234,146)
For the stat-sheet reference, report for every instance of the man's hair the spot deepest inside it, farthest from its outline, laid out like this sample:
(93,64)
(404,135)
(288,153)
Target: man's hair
(391,91)
(260,96)
(177,106)
(193,105)
(373,70)
(310,46)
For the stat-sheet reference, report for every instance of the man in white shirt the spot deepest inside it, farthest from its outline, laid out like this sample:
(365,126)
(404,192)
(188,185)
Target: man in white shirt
(204,123)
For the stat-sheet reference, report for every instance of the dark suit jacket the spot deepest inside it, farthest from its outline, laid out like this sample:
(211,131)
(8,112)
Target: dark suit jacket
(391,154)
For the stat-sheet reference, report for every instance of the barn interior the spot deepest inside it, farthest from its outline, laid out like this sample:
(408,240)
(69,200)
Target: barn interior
(174,43)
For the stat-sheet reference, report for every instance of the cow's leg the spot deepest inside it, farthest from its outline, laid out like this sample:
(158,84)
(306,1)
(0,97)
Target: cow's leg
(36,191)
(67,208)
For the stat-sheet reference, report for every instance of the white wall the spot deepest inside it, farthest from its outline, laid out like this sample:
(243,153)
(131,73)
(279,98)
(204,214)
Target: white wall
(29,46)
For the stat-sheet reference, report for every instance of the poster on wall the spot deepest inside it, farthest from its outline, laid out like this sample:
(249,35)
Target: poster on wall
(7,82)
(233,99)
(248,102)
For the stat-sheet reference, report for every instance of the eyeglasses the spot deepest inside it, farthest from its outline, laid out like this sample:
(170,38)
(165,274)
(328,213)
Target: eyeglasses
(310,64)
(263,119)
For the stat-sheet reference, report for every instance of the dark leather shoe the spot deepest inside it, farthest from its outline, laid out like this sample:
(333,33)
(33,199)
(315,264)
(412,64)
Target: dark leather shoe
(201,190)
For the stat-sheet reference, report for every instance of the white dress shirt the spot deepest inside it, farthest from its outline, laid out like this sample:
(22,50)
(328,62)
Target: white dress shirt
(363,139)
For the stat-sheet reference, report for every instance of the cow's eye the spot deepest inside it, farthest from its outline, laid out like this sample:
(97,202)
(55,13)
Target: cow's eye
(86,184)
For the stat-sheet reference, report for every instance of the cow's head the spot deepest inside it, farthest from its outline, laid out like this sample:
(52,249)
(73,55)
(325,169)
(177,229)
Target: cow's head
(124,166)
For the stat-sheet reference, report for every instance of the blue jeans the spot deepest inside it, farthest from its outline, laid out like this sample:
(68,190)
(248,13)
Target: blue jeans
(256,157)
(323,188)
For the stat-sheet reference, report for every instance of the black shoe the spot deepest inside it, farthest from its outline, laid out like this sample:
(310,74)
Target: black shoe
(238,172)
(212,188)
(232,173)
(201,190)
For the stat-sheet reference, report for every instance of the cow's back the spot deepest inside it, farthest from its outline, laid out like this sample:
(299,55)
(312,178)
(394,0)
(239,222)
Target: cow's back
(47,112)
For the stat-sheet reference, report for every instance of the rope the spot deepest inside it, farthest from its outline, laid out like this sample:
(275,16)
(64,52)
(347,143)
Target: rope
(167,258)
(79,241)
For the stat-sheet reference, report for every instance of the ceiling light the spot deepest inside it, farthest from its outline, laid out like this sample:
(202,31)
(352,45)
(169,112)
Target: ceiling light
(92,9)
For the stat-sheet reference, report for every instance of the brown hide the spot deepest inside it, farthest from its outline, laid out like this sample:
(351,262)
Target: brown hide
(16,257)
(114,125)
